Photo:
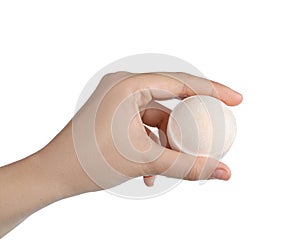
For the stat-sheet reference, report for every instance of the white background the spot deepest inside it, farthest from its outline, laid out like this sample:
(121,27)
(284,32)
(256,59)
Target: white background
(49,50)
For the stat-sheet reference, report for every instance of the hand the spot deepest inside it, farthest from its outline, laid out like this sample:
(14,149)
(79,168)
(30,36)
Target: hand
(107,143)
(111,139)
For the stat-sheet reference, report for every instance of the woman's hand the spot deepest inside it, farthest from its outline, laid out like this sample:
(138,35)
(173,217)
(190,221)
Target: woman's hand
(107,143)
(112,142)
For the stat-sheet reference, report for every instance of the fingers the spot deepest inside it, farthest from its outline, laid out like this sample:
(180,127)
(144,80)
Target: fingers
(183,166)
(227,95)
(222,172)
(157,115)
(161,86)
(176,164)
(208,87)
(149,180)
(179,165)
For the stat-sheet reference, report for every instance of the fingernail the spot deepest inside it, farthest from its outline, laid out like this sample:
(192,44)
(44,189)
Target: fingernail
(220,174)
(151,181)
(240,96)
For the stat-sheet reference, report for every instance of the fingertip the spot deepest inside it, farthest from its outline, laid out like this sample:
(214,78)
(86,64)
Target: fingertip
(238,98)
(149,180)
(234,99)
(222,172)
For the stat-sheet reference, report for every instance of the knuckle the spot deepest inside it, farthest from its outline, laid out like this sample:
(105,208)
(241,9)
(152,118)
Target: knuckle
(194,173)
(114,75)
(184,90)
(108,75)
(154,167)
(143,97)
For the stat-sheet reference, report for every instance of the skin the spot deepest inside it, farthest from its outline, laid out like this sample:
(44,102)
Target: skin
(59,170)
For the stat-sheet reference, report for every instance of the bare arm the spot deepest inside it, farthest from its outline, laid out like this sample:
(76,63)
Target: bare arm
(56,172)
(47,176)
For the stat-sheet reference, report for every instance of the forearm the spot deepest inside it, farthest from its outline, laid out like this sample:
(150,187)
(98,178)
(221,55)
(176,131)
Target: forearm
(24,190)
(47,176)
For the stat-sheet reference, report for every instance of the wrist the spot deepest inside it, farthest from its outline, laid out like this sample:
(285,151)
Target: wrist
(60,162)
(47,176)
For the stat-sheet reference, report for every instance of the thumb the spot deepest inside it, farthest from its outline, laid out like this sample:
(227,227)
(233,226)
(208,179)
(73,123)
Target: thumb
(222,172)
(176,164)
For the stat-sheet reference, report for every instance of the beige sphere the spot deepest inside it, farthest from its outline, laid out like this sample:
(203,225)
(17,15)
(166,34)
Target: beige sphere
(201,126)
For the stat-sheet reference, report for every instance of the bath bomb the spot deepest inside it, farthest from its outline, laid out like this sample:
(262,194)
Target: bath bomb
(201,126)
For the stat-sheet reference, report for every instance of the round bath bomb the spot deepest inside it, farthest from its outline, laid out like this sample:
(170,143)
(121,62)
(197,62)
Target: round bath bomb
(201,126)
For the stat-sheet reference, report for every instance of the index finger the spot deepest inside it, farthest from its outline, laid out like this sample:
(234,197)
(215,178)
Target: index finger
(167,85)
